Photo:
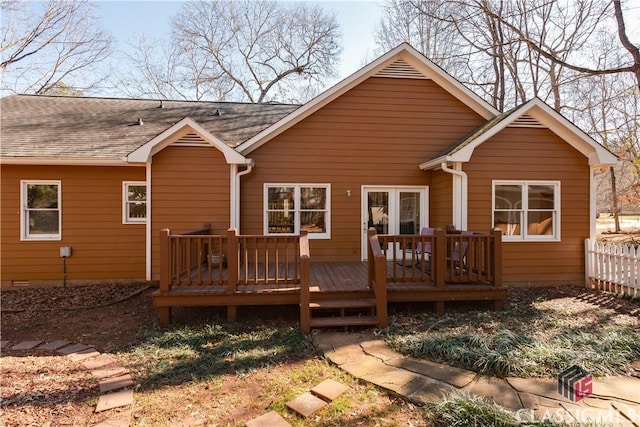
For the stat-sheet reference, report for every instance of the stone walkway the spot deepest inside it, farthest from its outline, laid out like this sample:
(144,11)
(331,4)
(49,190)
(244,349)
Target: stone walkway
(114,380)
(615,400)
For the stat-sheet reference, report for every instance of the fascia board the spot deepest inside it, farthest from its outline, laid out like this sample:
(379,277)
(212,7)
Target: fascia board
(144,153)
(48,161)
(435,163)
(431,70)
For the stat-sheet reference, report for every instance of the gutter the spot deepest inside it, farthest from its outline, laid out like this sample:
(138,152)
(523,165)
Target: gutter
(235,192)
(460,189)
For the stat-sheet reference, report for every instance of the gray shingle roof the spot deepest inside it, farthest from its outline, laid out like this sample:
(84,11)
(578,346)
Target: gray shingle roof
(106,128)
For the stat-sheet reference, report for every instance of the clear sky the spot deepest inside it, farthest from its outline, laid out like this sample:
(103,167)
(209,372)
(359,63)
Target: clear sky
(126,19)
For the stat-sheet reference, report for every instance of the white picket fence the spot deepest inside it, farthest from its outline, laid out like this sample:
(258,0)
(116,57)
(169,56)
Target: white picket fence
(613,267)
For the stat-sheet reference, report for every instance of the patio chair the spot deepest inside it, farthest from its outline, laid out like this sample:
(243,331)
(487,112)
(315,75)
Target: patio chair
(424,248)
(459,255)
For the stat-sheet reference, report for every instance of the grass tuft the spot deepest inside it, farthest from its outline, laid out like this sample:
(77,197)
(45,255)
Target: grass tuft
(537,335)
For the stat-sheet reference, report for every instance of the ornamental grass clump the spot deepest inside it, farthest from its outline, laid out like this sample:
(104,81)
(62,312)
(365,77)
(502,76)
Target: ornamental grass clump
(486,354)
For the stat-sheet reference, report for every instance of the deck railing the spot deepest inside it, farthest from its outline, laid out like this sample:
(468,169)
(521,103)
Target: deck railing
(444,257)
(377,277)
(231,260)
(613,267)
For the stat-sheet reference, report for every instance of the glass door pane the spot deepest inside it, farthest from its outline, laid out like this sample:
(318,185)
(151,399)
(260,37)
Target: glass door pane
(409,208)
(378,211)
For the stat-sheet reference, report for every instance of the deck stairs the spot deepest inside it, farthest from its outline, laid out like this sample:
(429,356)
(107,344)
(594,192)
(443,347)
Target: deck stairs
(343,312)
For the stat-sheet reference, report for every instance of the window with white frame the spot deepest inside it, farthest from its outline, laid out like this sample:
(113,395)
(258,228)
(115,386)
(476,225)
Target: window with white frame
(527,210)
(134,202)
(40,216)
(292,208)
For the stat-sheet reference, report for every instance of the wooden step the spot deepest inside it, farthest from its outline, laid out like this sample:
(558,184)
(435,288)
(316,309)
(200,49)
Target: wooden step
(325,322)
(343,303)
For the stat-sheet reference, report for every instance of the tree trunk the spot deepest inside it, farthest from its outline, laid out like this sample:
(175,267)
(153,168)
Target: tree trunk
(614,199)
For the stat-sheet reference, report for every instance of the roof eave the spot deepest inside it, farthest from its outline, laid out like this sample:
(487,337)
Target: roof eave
(62,161)
(436,163)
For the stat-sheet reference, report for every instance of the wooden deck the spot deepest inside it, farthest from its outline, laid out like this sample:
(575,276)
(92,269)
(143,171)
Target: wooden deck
(279,271)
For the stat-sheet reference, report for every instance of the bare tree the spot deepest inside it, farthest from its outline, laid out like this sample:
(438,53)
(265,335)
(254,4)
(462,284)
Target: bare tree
(242,51)
(44,44)
(631,64)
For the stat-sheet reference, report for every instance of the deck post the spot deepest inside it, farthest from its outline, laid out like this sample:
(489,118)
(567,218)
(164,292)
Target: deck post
(165,260)
(232,270)
(305,282)
(380,291)
(497,257)
(370,257)
(164,313)
(440,260)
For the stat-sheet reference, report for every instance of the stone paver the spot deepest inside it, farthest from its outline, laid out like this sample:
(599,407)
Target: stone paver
(454,376)
(306,404)
(121,420)
(541,387)
(398,380)
(380,349)
(270,419)
(114,400)
(81,355)
(99,362)
(329,390)
(26,345)
(627,388)
(116,383)
(367,366)
(70,349)
(497,390)
(54,345)
(109,371)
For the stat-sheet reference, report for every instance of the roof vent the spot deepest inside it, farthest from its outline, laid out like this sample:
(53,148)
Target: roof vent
(401,69)
(526,121)
(217,113)
(140,122)
(161,104)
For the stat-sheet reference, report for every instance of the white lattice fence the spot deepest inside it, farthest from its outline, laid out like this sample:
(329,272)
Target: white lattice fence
(613,267)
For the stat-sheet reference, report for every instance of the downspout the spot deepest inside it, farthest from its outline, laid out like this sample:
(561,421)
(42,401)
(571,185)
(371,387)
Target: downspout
(235,192)
(459,194)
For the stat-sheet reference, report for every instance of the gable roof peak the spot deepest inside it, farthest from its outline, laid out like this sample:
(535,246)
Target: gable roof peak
(414,65)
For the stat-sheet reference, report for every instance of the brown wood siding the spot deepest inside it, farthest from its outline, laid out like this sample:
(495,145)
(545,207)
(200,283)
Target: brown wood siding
(534,154)
(375,134)
(103,247)
(190,187)
(441,195)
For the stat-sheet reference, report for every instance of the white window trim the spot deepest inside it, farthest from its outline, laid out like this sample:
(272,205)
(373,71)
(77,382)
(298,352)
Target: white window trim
(524,236)
(24,230)
(125,201)
(265,220)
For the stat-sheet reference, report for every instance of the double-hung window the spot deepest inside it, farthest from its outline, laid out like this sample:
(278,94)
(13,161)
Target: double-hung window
(292,208)
(134,202)
(40,216)
(527,210)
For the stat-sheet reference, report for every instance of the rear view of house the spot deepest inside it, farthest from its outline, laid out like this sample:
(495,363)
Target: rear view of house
(397,147)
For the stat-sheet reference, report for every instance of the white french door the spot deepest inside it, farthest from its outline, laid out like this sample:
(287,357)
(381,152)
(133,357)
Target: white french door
(393,210)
